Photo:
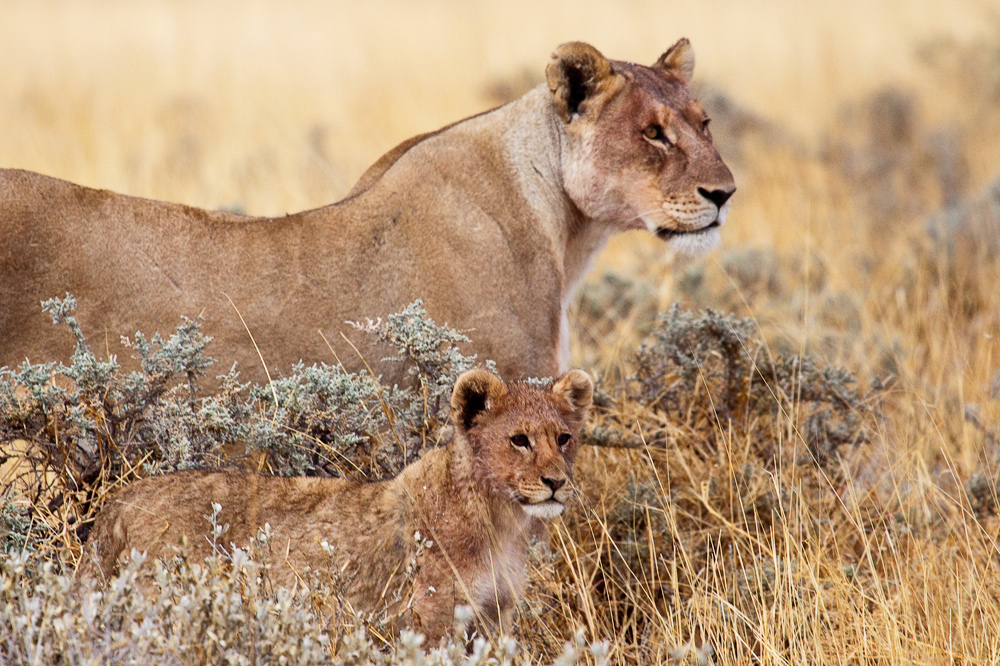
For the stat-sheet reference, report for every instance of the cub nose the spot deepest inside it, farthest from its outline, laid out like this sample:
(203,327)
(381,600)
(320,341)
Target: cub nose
(718,197)
(554,484)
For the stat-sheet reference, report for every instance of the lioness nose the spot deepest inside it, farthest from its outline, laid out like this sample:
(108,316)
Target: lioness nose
(554,484)
(718,197)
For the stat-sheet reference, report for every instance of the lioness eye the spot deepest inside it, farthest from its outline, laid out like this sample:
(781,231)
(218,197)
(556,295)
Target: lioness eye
(563,439)
(521,441)
(704,124)
(654,133)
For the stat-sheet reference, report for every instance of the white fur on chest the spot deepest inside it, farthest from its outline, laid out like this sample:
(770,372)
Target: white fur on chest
(578,261)
(499,581)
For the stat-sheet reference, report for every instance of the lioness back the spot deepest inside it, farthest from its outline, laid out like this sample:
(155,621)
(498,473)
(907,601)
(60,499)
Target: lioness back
(493,221)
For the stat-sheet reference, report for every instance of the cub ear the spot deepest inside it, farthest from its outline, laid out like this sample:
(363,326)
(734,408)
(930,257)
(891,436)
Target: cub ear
(678,60)
(576,388)
(475,392)
(578,76)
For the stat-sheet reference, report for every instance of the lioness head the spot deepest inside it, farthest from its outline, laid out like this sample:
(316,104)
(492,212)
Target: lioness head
(523,439)
(638,151)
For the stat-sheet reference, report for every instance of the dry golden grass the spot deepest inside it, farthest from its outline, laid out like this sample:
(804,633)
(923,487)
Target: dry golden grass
(279,106)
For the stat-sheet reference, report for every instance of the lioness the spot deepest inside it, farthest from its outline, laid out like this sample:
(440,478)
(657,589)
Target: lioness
(511,459)
(493,221)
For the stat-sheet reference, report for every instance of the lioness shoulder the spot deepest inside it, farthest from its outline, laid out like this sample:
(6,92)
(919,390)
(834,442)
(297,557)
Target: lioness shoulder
(510,461)
(493,221)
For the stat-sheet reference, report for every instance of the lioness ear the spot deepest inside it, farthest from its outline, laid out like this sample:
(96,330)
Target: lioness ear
(578,390)
(577,75)
(678,60)
(474,393)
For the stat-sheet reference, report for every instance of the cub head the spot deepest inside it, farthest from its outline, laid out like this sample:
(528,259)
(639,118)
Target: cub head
(522,439)
(637,151)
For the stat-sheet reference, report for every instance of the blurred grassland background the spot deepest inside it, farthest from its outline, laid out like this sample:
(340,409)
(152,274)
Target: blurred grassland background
(865,139)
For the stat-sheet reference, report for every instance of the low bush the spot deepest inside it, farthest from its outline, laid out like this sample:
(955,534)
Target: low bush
(722,485)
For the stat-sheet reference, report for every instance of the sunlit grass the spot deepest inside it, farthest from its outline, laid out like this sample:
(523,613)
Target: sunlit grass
(277,107)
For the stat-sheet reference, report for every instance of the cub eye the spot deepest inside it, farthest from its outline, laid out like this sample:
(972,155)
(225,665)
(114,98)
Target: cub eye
(521,441)
(563,439)
(704,124)
(654,133)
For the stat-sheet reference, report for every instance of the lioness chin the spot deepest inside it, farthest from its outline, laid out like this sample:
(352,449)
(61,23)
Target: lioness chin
(510,461)
(492,221)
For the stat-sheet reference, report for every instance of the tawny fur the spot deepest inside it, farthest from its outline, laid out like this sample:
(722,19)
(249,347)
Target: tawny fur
(492,221)
(475,499)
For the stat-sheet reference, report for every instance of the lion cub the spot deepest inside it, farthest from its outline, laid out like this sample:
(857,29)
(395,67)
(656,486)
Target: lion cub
(511,459)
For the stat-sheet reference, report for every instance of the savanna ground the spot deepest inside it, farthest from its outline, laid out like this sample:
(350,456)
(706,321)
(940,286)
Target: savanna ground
(744,502)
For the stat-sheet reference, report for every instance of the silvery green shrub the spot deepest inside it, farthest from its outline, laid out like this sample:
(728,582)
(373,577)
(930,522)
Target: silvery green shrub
(105,424)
